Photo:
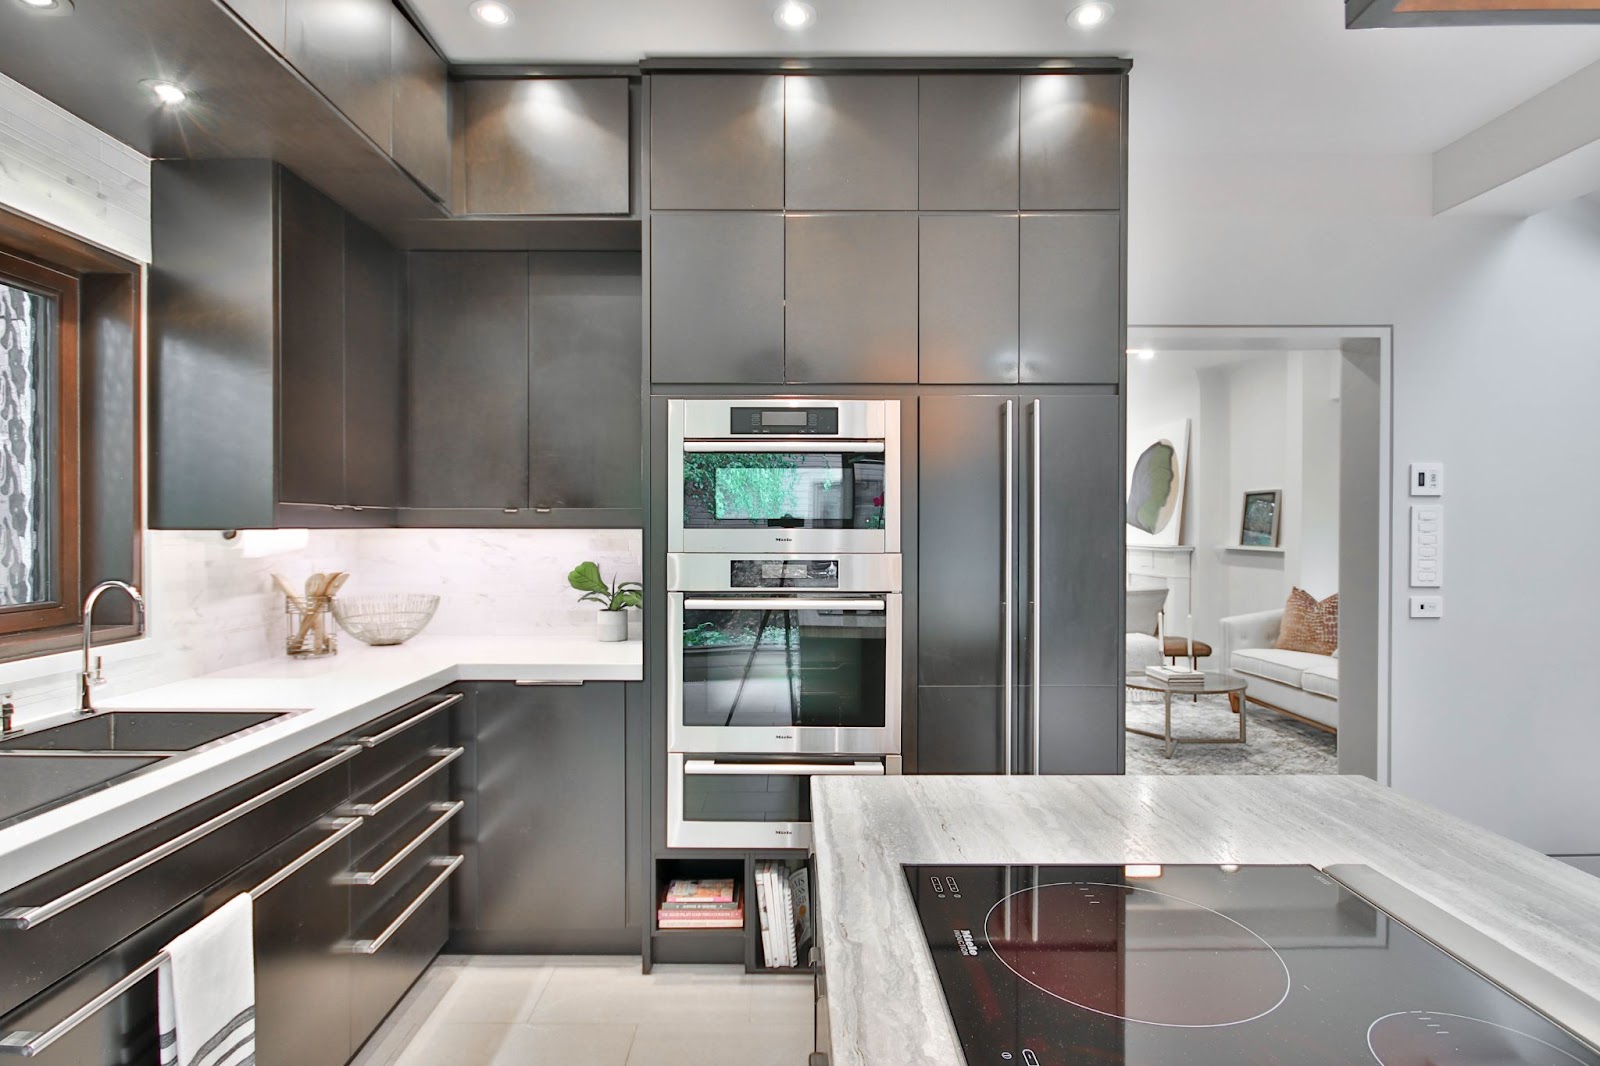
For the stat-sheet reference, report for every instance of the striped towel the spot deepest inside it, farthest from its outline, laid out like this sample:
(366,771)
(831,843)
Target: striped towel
(208,991)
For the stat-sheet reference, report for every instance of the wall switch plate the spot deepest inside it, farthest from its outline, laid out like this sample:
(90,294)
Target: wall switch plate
(1427,607)
(1427,545)
(1427,479)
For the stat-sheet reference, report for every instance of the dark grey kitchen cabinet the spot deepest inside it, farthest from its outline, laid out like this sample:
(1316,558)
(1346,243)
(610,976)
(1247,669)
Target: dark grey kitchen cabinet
(545,146)
(343,48)
(851,142)
(1080,729)
(421,94)
(968,289)
(266,17)
(961,729)
(716,298)
(1071,325)
(1073,147)
(546,833)
(585,354)
(967,142)
(468,345)
(851,298)
(716,142)
(266,310)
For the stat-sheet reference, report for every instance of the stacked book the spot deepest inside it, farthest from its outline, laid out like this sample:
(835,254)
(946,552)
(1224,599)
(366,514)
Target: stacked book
(713,903)
(783,897)
(1175,675)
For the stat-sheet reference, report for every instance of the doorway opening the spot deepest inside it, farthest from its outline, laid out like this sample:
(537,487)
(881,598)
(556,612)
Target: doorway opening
(1257,516)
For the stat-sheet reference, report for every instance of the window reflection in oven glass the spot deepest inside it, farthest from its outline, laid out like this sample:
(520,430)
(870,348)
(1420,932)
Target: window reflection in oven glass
(757,667)
(741,490)
(768,798)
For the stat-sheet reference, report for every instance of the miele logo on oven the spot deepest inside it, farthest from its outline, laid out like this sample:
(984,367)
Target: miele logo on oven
(966,943)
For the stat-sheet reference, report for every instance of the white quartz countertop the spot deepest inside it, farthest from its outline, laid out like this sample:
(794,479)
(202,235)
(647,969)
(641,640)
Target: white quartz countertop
(329,697)
(884,1001)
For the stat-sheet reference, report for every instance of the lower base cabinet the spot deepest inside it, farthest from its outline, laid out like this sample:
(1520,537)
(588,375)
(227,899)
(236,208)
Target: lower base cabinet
(549,819)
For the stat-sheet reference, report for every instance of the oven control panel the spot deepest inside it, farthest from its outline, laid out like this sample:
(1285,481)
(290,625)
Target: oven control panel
(783,573)
(789,421)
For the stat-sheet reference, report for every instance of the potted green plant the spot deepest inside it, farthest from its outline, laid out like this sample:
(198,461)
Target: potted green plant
(614,599)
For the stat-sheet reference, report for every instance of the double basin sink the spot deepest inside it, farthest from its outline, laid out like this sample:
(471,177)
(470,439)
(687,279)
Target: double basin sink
(49,765)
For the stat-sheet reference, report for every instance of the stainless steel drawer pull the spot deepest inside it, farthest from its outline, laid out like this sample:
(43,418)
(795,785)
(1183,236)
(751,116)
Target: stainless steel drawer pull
(712,768)
(447,867)
(443,757)
(541,683)
(784,446)
(28,1044)
(394,731)
(28,917)
(780,603)
(446,811)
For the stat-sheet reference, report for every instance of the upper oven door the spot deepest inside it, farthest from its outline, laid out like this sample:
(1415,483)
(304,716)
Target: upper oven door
(737,480)
(784,673)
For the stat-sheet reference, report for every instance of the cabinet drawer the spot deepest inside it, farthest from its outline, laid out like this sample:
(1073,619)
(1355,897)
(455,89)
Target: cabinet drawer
(403,938)
(380,876)
(388,807)
(398,740)
(58,922)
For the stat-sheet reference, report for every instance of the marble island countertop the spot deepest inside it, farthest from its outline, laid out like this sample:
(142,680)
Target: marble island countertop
(326,697)
(885,1005)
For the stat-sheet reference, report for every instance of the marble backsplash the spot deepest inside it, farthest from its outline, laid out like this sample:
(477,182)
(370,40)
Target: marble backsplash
(212,607)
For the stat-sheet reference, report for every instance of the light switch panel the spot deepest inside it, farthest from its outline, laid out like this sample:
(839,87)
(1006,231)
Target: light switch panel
(1427,479)
(1427,607)
(1427,545)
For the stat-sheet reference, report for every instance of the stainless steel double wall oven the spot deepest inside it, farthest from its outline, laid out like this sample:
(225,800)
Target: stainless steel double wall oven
(784,611)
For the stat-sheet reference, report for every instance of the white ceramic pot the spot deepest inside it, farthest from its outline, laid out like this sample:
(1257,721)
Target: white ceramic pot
(613,625)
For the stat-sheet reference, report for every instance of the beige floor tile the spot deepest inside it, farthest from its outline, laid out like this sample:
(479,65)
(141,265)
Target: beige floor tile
(493,993)
(565,1045)
(678,1044)
(457,1044)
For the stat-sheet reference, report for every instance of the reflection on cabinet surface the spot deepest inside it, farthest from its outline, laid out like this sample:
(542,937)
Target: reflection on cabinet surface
(967,142)
(716,142)
(716,298)
(850,306)
(343,48)
(850,143)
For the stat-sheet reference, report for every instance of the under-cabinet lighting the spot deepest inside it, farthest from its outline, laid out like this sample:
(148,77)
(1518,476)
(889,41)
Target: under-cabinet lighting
(1229,868)
(1142,354)
(169,93)
(1088,16)
(261,543)
(491,12)
(794,15)
(1141,871)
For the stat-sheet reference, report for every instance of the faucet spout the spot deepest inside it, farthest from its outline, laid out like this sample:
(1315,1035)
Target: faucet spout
(91,674)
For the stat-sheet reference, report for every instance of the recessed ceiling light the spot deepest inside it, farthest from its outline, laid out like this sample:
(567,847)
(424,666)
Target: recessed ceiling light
(1144,354)
(1088,16)
(491,12)
(170,93)
(793,15)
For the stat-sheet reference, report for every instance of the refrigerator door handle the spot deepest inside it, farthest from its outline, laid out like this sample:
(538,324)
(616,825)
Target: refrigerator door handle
(1035,584)
(1008,671)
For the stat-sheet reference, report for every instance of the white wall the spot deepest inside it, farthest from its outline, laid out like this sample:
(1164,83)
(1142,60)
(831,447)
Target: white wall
(1496,327)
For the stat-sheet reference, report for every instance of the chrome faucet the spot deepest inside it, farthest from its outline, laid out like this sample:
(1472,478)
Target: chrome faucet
(86,679)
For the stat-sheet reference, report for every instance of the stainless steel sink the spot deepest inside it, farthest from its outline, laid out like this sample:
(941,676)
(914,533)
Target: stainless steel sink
(154,731)
(31,783)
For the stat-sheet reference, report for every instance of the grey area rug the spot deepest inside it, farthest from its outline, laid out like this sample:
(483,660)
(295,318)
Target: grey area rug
(1277,745)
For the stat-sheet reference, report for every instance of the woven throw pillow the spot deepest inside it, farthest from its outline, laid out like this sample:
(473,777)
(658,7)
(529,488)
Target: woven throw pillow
(1309,625)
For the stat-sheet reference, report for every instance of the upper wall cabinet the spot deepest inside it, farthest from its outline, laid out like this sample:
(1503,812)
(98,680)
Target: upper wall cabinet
(1070,324)
(1072,142)
(421,86)
(967,142)
(850,307)
(851,143)
(266,17)
(545,146)
(716,298)
(274,352)
(716,142)
(343,48)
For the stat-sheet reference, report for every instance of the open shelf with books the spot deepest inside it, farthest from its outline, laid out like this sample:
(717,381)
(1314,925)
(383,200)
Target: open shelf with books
(700,896)
(779,891)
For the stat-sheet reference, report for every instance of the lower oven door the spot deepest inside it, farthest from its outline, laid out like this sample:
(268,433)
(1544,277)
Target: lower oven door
(803,674)
(719,801)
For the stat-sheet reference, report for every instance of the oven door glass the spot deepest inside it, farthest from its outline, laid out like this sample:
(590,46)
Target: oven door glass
(756,798)
(757,489)
(772,662)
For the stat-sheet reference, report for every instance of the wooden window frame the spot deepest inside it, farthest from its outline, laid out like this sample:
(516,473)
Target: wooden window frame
(66,548)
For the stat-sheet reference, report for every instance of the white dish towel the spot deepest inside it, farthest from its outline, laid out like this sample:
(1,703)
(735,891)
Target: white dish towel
(208,991)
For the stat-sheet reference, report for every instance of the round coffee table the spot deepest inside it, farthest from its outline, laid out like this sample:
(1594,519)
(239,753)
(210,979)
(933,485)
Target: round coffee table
(1209,685)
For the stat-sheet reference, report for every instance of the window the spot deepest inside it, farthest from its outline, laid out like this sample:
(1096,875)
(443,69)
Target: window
(39,504)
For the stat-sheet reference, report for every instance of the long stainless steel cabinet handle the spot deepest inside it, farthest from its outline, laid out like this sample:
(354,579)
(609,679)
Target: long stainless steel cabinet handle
(1035,582)
(447,867)
(28,1044)
(711,768)
(784,445)
(778,603)
(443,757)
(396,730)
(547,684)
(28,917)
(1009,580)
(368,878)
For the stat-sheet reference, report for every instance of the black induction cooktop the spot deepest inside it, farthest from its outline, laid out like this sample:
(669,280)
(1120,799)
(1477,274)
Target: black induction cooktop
(1206,966)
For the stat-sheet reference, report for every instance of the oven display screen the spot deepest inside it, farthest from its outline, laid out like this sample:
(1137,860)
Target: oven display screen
(789,421)
(784,419)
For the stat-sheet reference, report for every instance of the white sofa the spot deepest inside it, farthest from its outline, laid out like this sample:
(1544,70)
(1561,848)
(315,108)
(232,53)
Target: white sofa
(1298,683)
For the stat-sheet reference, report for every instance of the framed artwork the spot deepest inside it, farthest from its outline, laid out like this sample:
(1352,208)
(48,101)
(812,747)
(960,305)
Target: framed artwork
(1158,464)
(1258,526)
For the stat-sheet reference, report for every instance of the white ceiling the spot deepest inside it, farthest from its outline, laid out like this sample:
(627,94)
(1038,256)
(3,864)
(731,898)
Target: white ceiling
(1209,75)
